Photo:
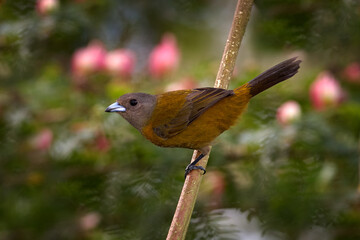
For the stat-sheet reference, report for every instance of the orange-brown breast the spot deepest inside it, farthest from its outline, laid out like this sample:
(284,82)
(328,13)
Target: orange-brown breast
(202,131)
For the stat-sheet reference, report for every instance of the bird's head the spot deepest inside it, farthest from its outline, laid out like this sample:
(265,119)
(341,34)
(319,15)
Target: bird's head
(136,108)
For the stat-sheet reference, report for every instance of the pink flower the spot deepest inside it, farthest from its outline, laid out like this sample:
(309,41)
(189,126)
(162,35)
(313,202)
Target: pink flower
(102,143)
(120,62)
(90,221)
(45,7)
(288,112)
(352,72)
(165,57)
(186,83)
(325,91)
(213,188)
(43,139)
(88,60)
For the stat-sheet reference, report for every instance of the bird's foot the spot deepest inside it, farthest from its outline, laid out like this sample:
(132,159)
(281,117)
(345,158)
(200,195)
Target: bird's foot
(191,167)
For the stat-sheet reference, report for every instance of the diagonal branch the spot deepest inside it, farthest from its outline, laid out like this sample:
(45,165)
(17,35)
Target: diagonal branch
(191,186)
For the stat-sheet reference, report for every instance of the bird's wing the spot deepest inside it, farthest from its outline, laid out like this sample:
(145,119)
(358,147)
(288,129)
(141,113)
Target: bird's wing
(197,102)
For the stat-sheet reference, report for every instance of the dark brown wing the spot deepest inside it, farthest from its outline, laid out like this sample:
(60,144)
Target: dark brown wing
(197,102)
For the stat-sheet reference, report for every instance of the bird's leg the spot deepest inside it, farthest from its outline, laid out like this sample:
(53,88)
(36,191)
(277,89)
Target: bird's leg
(192,166)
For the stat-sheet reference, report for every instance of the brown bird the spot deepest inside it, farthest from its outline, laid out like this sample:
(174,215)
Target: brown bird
(194,118)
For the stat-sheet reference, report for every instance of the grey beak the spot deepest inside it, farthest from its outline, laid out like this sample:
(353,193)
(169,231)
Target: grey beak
(115,107)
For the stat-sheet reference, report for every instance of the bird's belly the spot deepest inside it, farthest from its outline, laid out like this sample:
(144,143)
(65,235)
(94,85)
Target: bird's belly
(193,138)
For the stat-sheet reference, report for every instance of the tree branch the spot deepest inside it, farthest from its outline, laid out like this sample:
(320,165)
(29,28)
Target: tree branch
(191,186)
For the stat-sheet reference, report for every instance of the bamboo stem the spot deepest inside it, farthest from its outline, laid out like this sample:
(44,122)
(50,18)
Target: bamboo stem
(237,31)
(192,182)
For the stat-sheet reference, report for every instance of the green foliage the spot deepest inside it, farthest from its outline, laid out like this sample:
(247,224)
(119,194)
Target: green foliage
(321,27)
(70,171)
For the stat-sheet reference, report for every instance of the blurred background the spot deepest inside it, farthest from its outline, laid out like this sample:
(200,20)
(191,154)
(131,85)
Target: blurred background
(288,170)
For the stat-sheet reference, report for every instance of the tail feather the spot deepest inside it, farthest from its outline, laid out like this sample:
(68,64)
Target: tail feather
(274,75)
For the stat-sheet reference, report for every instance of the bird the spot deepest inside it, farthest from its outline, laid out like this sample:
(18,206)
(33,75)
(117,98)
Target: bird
(194,118)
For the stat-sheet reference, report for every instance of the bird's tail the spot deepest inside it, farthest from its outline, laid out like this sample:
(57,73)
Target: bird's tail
(272,76)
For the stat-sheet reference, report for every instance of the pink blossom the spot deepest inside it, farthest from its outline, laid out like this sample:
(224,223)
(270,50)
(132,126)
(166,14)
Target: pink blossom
(45,7)
(288,112)
(186,83)
(325,91)
(213,188)
(43,139)
(165,57)
(352,72)
(120,62)
(88,60)
(90,221)
(102,143)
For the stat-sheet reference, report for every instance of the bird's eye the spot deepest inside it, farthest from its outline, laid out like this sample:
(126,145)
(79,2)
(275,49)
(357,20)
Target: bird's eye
(133,102)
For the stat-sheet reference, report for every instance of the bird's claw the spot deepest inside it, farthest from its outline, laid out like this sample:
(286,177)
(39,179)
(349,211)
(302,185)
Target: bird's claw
(190,167)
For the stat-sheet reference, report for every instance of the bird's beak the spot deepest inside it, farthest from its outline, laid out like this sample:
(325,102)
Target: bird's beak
(115,107)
